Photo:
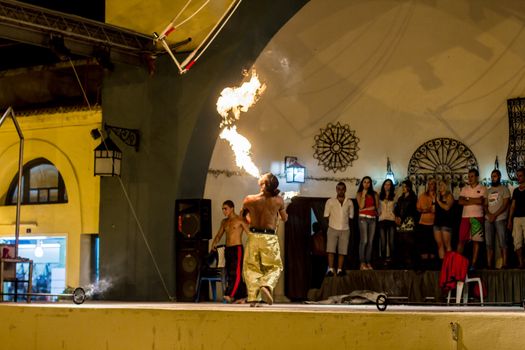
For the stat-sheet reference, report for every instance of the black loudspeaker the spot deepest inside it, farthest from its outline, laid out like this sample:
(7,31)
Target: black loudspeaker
(192,232)
(189,255)
(192,219)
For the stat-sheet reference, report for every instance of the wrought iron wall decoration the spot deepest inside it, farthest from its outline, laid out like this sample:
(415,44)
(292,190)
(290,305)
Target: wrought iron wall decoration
(129,136)
(336,147)
(441,158)
(516,149)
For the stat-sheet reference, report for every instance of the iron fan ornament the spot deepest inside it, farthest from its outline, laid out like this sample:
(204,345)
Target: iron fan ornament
(441,158)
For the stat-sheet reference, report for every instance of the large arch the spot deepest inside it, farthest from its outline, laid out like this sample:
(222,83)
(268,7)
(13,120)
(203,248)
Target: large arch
(179,126)
(51,219)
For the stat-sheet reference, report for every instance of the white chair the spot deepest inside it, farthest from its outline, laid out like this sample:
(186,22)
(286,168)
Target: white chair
(454,276)
(463,292)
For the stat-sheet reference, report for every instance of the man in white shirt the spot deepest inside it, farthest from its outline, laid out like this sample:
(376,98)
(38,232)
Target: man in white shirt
(472,198)
(338,210)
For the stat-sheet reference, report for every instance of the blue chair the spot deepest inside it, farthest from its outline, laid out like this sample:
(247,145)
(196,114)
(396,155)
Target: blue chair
(212,270)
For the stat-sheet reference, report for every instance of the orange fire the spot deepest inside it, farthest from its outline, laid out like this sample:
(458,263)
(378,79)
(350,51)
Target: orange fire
(230,104)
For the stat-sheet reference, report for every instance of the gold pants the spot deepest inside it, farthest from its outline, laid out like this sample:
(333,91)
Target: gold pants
(262,264)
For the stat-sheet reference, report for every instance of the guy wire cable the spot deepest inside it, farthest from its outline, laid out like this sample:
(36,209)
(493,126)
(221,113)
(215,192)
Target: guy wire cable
(139,225)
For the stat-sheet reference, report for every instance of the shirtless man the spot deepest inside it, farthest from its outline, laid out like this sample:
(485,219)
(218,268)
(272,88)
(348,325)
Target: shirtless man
(234,226)
(262,262)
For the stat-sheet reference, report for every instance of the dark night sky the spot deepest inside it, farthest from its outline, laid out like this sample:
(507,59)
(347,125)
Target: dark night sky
(93,9)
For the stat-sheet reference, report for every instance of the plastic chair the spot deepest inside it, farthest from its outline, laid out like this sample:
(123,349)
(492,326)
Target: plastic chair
(454,276)
(212,271)
(461,291)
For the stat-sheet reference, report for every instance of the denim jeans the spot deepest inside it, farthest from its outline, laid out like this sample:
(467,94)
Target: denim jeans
(387,229)
(367,229)
(496,229)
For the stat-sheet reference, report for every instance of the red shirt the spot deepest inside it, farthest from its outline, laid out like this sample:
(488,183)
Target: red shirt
(369,202)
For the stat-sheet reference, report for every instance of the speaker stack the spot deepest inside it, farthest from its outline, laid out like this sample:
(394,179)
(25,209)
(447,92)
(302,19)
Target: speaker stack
(192,232)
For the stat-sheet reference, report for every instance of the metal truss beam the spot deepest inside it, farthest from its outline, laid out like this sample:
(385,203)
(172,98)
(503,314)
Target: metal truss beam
(36,26)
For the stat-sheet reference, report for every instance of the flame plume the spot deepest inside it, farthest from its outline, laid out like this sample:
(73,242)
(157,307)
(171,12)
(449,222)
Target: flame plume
(230,104)
(241,148)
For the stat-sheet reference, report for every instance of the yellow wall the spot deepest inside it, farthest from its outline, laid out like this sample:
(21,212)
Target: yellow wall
(166,326)
(64,139)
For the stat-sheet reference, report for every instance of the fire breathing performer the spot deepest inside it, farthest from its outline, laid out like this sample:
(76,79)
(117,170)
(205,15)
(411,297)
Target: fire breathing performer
(233,226)
(262,259)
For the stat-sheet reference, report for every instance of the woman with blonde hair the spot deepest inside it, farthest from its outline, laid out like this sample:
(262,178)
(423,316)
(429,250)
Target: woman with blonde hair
(443,218)
(424,237)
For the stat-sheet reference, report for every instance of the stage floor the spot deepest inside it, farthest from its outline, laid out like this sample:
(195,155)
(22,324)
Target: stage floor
(398,307)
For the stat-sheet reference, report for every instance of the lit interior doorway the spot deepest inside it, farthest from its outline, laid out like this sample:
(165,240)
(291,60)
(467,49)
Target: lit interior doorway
(49,265)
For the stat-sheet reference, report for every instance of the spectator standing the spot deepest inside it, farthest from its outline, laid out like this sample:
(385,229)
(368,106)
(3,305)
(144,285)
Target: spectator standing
(497,203)
(443,219)
(426,205)
(338,210)
(406,213)
(472,198)
(387,221)
(368,201)
(516,220)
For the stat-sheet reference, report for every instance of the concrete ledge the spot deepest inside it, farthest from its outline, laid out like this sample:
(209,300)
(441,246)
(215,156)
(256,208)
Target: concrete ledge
(282,326)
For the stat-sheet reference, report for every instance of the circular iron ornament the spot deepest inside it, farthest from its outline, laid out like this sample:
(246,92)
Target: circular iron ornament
(441,158)
(336,147)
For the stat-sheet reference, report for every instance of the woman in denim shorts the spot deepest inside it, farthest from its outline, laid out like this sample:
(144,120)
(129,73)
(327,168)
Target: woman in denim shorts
(443,219)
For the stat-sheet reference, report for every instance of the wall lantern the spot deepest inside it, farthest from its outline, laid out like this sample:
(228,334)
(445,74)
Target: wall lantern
(389,173)
(108,157)
(295,172)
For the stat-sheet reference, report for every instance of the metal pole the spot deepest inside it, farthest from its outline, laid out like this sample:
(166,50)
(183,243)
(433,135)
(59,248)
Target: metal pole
(19,192)
(11,113)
